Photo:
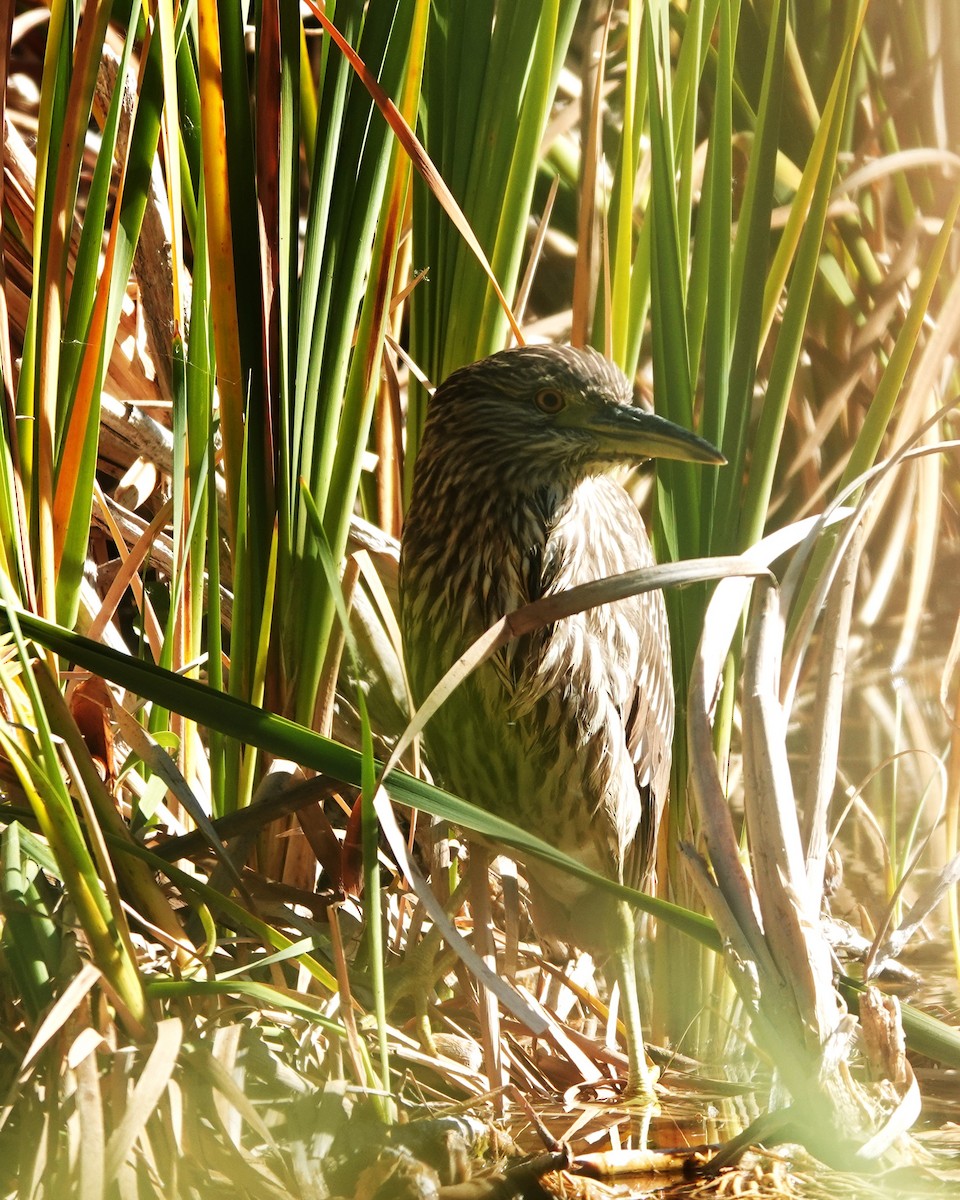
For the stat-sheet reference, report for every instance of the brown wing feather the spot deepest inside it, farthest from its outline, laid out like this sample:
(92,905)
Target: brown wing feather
(604,535)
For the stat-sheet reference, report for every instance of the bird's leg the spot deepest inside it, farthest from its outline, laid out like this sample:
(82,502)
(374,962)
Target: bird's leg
(642,1074)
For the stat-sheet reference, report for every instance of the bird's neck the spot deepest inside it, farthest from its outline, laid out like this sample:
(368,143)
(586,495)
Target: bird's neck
(518,539)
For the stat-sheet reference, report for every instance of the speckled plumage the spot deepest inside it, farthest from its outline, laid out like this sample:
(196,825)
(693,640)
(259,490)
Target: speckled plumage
(503,512)
(566,731)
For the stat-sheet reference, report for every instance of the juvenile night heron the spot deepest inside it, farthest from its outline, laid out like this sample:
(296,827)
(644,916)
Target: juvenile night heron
(566,731)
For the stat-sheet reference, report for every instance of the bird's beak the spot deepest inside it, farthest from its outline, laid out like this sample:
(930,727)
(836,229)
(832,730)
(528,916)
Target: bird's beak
(632,433)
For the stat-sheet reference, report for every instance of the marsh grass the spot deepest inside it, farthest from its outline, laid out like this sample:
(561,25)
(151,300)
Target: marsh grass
(215,342)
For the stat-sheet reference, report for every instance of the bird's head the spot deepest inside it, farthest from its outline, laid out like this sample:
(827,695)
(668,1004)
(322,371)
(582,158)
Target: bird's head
(538,414)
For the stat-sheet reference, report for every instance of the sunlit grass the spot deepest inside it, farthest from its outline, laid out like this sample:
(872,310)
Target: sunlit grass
(211,237)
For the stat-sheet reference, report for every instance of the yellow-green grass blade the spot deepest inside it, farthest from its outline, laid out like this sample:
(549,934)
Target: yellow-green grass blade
(260,995)
(748,266)
(239,720)
(622,216)
(78,464)
(297,125)
(220,238)
(671,360)
(369,825)
(276,735)
(709,291)
(250,759)
(139,884)
(234,913)
(820,171)
(34,759)
(84,284)
(246,617)
(302,419)
(345,206)
(30,936)
(479,69)
(57,56)
(66,93)
(251,189)
(352,153)
(348,378)
(307,91)
(703,247)
(630,253)
(372,892)
(548,53)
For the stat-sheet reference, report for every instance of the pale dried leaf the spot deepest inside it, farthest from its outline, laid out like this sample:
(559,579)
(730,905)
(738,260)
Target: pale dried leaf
(146,1093)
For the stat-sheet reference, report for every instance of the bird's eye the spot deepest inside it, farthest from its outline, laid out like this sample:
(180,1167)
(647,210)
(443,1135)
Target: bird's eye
(549,401)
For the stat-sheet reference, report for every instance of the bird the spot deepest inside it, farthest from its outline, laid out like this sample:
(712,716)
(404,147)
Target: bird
(566,731)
